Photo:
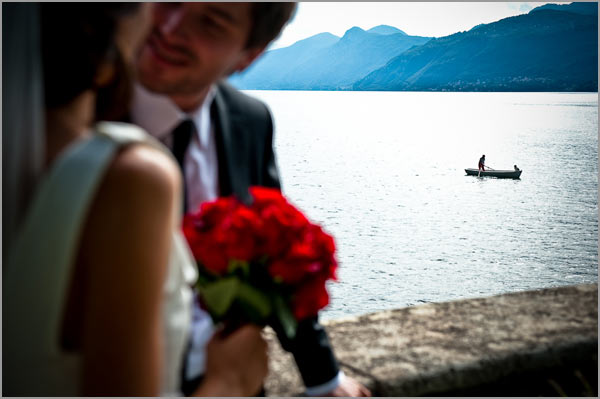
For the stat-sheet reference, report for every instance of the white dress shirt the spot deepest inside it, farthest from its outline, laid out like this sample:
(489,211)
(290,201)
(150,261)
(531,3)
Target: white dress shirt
(158,115)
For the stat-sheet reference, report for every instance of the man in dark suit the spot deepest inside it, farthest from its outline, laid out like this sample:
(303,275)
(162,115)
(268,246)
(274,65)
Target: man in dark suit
(222,139)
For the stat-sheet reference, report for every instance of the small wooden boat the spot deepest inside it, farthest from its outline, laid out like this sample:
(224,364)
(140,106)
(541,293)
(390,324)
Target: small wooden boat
(501,174)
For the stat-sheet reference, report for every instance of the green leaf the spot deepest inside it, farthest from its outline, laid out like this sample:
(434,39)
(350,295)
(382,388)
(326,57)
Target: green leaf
(241,265)
(257,300)
(219,296)
(285,316)
(203,279)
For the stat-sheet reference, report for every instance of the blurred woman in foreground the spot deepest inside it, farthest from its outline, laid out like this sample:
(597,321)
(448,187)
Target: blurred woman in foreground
(96,276)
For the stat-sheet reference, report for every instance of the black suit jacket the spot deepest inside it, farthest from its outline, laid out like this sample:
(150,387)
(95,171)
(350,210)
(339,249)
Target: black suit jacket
(244,138)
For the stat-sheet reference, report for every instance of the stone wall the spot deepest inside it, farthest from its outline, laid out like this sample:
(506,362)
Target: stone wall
(542,342)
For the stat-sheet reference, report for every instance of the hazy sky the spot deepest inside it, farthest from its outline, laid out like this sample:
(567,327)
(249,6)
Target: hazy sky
(415,18)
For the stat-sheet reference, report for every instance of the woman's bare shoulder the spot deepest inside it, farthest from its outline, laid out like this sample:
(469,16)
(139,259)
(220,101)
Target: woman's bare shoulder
(141,171)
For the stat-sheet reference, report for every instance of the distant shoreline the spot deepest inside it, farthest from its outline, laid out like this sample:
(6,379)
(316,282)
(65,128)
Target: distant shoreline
(434,91)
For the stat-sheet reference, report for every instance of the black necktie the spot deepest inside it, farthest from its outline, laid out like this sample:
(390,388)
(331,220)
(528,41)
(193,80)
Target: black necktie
(182,136)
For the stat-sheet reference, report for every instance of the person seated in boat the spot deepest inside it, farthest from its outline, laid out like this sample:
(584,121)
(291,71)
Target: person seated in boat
(516,168)
(482,163)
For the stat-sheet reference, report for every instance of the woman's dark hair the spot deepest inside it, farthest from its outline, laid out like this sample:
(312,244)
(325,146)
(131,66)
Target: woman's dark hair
(77,38)
(267,21)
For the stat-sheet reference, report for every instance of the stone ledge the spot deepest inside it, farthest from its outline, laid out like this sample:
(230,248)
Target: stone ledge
(482,345)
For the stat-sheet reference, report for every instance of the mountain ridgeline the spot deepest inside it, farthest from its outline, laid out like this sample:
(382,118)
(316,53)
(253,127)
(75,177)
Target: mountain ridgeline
(552,48)
(327,62)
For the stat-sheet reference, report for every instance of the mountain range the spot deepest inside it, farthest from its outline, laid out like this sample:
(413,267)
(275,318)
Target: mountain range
(551,48)
(326,61)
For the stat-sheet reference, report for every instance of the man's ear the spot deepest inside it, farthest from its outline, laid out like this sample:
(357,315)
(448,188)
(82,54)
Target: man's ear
(249,56)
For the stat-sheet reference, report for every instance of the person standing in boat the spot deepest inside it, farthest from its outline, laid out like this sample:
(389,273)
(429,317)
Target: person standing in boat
(482,163)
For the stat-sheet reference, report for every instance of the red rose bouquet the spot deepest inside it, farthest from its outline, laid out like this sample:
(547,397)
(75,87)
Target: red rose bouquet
(261,260)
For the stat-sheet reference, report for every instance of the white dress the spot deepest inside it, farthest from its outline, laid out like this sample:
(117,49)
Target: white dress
(36,276)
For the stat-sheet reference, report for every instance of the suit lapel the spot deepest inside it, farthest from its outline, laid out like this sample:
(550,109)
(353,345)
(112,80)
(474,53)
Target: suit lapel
(231,150)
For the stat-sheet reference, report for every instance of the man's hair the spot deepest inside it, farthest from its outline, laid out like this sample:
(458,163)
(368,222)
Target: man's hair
(268,20)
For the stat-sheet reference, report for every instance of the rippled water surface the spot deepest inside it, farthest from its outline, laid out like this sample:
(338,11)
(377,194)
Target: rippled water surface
(384,173)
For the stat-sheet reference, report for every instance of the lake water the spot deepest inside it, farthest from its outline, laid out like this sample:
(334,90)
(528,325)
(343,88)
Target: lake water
(383,172)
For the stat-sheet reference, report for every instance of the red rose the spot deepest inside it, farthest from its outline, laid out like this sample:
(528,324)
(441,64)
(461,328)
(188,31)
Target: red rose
(309,299)
(310,256)
(212,213)
(207,251)
(325,246)
(212,231)
(264,196)
(282,225)
(239,234)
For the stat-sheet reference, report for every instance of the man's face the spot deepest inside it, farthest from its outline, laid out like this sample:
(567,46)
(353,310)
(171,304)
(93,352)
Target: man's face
(192,45)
